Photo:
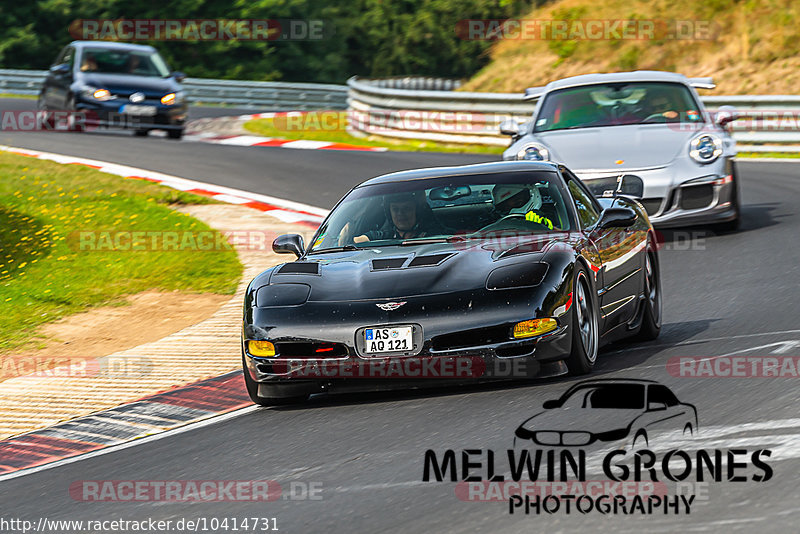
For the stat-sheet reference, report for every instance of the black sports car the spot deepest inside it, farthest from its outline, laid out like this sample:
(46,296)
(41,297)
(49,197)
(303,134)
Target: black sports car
(479,272)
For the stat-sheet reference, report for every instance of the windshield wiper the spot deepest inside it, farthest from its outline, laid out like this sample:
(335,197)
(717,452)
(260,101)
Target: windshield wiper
(344,248)
(430,240)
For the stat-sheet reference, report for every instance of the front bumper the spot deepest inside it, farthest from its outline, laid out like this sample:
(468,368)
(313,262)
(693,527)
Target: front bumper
(542,356)
(108,114)
(672,199)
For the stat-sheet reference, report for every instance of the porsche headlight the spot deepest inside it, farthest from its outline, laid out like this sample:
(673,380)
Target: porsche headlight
(705,148)
(533,152)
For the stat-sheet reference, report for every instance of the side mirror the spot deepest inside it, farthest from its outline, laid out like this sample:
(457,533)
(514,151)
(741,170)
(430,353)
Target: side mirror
(179,76)
(549,405)
(725,114)
(61,69)
(510,127)
(656,406)
(288,244)
(617,218)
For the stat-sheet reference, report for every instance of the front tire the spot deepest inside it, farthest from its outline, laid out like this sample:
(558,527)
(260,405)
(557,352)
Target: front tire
(175,134)
(733,225)
(585,325)
(651,320)
(252,391)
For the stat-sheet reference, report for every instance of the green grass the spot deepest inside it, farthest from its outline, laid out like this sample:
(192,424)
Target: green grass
(15,95)
(45,274)
(784,155)
(268,128)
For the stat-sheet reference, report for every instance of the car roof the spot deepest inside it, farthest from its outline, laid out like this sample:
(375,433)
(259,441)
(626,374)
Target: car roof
(494,167)
(604,381)
(612,77)
(112,45)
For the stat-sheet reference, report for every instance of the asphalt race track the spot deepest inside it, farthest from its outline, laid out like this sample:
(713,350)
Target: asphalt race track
(724,295)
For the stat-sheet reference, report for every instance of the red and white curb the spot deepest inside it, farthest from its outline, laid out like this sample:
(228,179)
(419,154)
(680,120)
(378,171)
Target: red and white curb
(151,415)
(255,140)
(284,210)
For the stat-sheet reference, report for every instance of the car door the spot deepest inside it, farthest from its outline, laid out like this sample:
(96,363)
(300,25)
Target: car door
(665,415)
(617,278)
(59,80)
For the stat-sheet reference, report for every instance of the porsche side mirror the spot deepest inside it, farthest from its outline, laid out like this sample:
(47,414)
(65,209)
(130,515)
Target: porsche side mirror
(552,403)
(510,127)
(288,244)
(179,76)
(725,115)
(617,218)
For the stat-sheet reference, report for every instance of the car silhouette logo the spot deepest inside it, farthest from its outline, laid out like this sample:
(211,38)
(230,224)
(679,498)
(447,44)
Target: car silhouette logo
(136,97)
(608,410)
(390,306)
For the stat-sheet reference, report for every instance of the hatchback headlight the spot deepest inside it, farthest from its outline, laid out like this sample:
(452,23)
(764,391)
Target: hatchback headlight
(533,152)
(172,98)
(97,93)
(705,148)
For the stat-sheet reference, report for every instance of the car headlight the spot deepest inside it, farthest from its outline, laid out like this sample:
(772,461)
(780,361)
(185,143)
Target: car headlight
(172,98)
(533,152)
(705,148)
(97,93)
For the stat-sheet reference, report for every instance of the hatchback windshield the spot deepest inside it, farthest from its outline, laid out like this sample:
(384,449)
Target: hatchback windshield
(135,62)
(615,104)
(460,207)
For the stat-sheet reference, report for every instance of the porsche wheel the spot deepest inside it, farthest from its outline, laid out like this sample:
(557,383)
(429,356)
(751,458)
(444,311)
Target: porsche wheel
(252,391)
(651,320)
(585,337)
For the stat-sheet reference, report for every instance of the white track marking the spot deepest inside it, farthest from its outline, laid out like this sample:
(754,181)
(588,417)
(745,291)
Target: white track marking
(210,420)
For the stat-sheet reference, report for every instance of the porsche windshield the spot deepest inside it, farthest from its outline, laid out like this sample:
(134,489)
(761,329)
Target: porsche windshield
(616,104)
(449,208)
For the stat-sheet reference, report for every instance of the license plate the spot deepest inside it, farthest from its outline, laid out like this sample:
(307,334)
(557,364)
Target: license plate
(389,339)
(130,109)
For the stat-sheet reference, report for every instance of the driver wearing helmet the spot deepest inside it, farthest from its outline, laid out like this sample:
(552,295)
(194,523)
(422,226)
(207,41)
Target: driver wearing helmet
(523,201)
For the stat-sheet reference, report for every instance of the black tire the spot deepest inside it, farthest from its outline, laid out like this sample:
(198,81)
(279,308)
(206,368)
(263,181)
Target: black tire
(175,134)
(652,313)
(585,324)
(141,133)
(252,391)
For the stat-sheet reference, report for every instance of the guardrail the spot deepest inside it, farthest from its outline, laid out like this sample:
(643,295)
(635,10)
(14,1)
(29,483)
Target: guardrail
(770,123)
(265,96)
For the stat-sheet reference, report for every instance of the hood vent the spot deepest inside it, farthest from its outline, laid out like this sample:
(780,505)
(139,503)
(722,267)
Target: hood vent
(427,261)
(388,263)
(299,267)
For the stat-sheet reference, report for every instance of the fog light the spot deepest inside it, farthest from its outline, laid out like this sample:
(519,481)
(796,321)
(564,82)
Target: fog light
(261,348)
(534,327)
(168,100)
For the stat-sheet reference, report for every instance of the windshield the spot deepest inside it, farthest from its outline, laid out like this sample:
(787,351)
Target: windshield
(607,396)
(135,62)
(460,207)
(615,104)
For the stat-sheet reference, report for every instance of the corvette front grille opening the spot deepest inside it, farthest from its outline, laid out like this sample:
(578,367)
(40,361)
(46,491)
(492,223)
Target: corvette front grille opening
(310,350)
(471,338)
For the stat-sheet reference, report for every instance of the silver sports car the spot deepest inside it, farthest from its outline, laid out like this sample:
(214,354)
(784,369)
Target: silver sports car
(647,126)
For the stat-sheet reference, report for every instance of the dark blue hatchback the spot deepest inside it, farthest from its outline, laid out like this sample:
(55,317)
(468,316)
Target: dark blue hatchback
(116,85)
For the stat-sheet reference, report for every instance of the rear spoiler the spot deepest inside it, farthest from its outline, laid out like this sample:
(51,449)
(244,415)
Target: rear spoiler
(702,83)
(532,93)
